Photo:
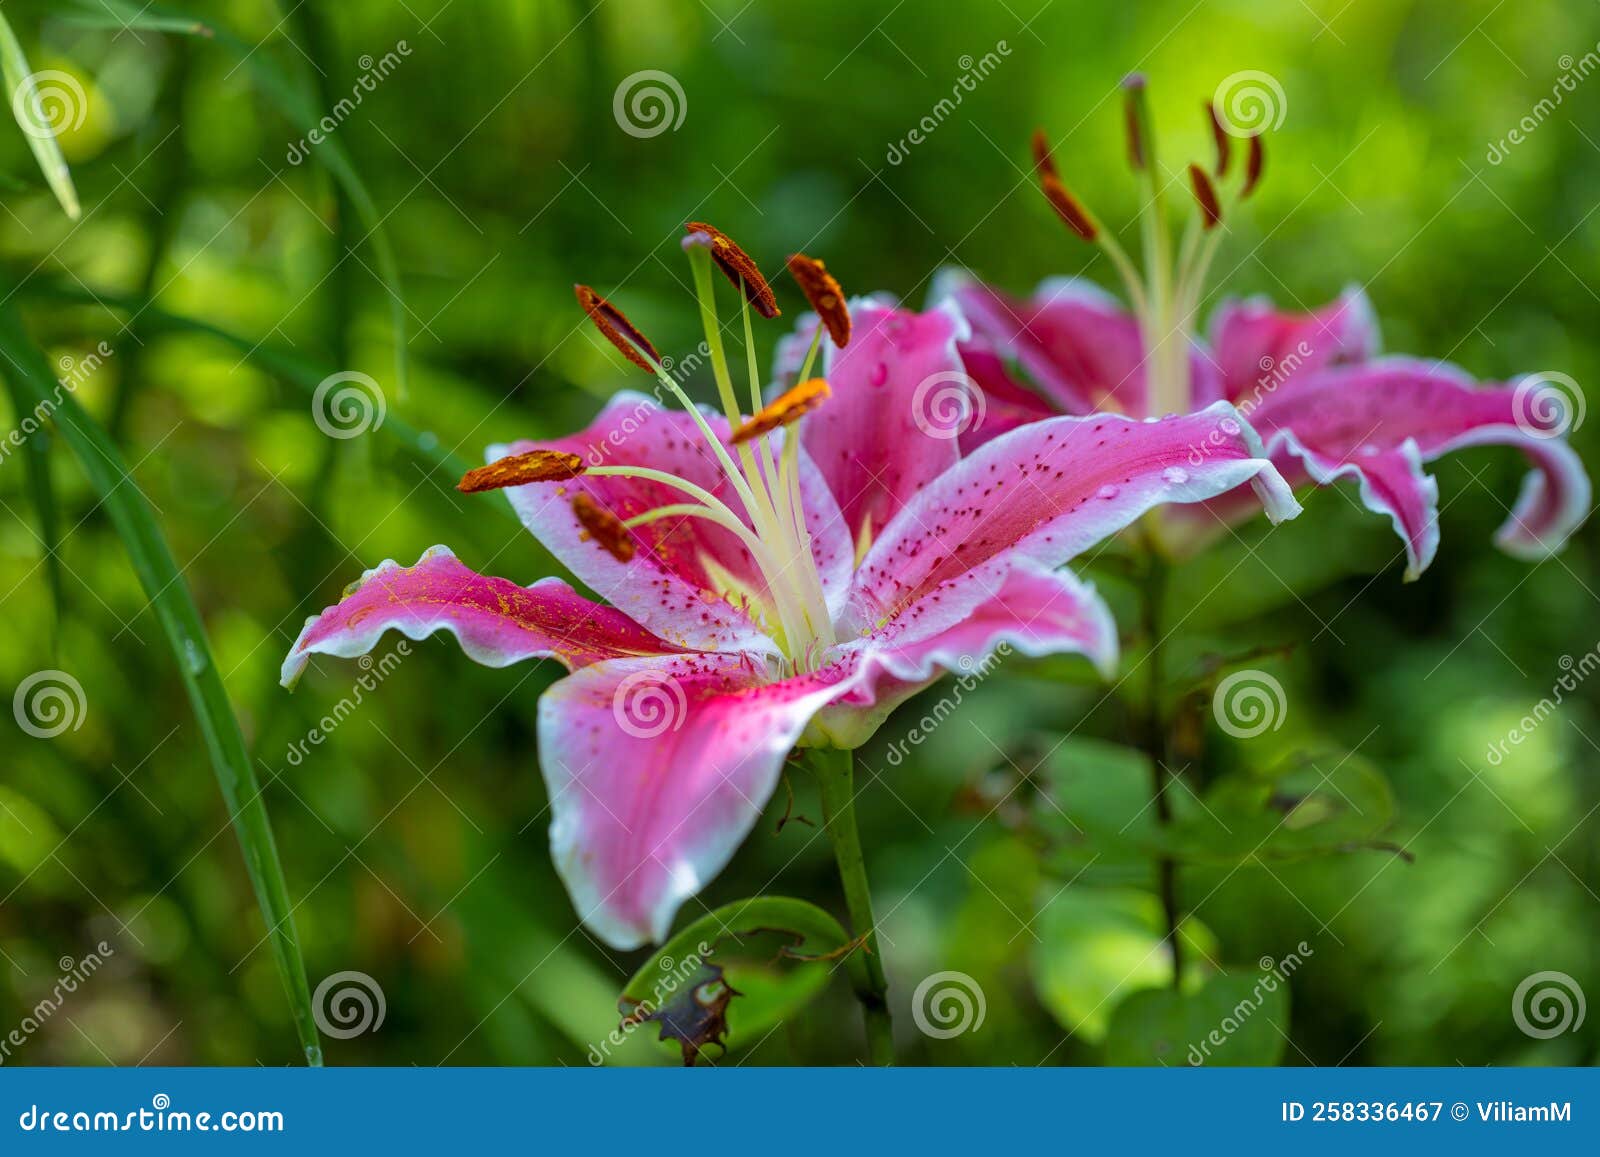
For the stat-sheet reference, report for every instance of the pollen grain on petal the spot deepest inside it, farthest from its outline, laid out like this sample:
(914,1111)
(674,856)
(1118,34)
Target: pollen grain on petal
(519,469)
(823,292)
(617,329)
(1068,207)
(790,406)
(1253,167)
(1205,195)
(738,266)
(603,527)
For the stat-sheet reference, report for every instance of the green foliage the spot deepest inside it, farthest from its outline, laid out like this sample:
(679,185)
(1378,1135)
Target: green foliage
(23,98)
(413,837)
(1233,1019)
(735,974)
(30,376)
(1097,945)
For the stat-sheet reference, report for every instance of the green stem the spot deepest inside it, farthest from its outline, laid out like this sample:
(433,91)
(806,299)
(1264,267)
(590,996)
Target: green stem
(1156,746)
(835,771)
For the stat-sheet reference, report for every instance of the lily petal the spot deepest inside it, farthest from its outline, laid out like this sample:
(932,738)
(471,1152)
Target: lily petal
(1047,491)
(657,770)
(1004,404)
(1035,611)
(693,582)
(1260,350)
(1381,421)
(1074,343)
(900,395)
(496,621)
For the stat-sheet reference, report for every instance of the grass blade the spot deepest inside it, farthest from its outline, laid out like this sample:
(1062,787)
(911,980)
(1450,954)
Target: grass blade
(42,490)
(120,14)
(27,369)
(23,94)
(293,102)
(291,368)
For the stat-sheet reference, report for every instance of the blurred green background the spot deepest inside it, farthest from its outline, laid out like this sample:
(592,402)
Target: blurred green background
(414,838)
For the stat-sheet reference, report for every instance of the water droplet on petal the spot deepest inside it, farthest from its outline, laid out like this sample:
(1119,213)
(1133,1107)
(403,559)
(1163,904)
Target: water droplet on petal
(1106,492)
(879,374)
(1175,476)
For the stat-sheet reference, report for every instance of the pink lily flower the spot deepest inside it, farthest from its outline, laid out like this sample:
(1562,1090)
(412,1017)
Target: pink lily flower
(1312,383)
(765,590)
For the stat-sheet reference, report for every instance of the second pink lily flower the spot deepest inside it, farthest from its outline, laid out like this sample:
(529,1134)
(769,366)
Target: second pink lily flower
(1312,382)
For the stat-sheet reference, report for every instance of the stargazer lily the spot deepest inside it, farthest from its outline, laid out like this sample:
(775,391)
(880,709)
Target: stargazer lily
(765,590)
(1311,382)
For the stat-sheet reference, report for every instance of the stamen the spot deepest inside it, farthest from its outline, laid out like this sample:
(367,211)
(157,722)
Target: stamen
(738,267)
(823,292)
(1253,167)
(1068,207)
(1206,196)
(1135,111)
(604,528)
(518,469)
(1223,139)
(1041,155)
(618,330)
(790,406)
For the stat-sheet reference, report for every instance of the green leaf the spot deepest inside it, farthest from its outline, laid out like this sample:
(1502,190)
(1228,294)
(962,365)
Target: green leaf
(22,95)
(1096,945)
(730,976)
(1331,802)
(1098,811)
(26,367)
(296,106)
(1236,1018)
